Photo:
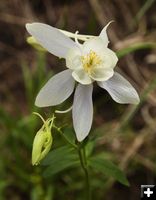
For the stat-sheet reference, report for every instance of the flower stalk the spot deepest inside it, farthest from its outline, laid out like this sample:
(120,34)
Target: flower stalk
(64,137)
(83,162)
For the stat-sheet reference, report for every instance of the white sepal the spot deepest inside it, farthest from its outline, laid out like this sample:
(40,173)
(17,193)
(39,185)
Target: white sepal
(51,39)
(120,89)
(82,111)
(56,90)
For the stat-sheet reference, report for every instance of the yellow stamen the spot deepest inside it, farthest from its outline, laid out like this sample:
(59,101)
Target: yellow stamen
(90,61)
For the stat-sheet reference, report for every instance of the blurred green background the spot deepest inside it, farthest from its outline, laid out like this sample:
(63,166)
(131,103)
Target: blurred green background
(124,134)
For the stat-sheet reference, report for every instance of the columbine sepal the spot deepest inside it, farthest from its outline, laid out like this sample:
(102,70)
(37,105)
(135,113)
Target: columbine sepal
(42,141)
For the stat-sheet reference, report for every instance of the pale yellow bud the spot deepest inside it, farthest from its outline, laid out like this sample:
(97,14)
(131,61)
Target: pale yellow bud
(33,42)
(42,141)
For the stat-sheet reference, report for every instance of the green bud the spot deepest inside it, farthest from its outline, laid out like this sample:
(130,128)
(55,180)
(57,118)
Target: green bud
(42,141)
(33,42)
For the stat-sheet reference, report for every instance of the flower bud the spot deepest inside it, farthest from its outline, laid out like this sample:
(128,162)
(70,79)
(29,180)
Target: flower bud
(33,42)
(42,141)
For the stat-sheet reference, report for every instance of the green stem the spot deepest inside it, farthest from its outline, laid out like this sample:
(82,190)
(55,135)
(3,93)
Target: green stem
(64,137)
(83,162)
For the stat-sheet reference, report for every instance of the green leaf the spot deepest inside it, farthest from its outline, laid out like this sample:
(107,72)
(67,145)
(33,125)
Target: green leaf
(59,160)
(60,166)
(108,168)
(58,154)
(90,147)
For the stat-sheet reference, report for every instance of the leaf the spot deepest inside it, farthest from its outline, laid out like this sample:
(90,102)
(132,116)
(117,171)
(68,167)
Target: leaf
(58,154)
(108,168)
(59,166)
(59,160)
(90,147)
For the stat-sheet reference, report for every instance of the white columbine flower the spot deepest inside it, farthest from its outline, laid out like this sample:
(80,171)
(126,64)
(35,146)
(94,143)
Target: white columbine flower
(88,62)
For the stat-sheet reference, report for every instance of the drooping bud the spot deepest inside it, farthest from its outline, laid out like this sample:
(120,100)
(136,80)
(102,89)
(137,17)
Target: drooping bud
(42,141)
(33,42)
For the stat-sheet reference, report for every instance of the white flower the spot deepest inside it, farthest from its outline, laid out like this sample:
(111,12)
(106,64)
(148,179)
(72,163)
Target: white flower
(86,63)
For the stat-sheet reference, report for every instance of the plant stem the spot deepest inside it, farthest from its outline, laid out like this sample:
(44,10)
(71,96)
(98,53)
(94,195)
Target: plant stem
(83,162)
(64,137)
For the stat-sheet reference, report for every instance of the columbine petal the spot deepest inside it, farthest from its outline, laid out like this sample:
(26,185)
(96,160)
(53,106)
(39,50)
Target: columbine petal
(93,44)
(104,36)
(108,56)
(101,74)
(56,90)
(51,39)
(120,89)
(73,59)
(82,111)
(81,76)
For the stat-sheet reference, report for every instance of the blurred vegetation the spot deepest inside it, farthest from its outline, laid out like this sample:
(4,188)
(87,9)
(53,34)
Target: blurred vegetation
(124,134)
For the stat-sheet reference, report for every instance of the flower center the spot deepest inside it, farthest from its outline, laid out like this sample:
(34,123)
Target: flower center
(90,61)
